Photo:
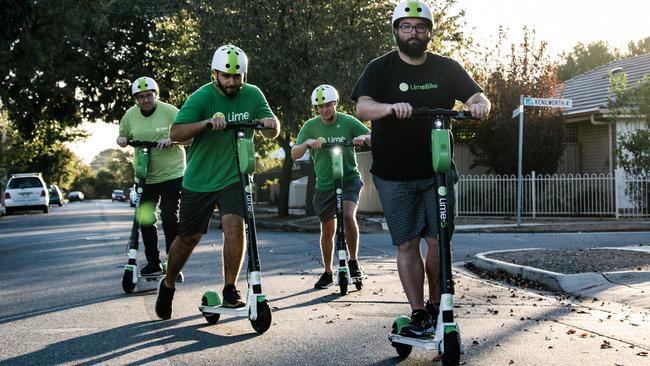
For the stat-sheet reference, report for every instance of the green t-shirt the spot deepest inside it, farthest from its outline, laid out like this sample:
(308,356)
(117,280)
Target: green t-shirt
(164,164)
(211,164)
(344,129)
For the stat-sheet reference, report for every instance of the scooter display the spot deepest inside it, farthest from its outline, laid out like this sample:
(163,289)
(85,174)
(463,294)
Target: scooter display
(446,337)
(343,278)
(257,308)
(131,275)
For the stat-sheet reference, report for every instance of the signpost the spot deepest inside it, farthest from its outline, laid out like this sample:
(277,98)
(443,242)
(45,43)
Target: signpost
(530,102)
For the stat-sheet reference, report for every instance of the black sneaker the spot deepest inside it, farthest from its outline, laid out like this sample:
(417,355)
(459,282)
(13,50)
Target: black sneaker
(151,270)
(325,280)
(181,277)
(433,310)
(356,271)
(231,298)
(419,326)
(164,299)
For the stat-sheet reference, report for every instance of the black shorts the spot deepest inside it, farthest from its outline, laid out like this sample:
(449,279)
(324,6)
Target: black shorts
(325,201)
(197,208)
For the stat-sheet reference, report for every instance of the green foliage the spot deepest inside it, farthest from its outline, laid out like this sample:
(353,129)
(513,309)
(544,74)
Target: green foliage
(632,104)
(584,58)
(113,169)
(529,72)
(640,47)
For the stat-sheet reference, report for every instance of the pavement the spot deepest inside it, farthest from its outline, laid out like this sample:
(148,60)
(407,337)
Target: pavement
(581,318)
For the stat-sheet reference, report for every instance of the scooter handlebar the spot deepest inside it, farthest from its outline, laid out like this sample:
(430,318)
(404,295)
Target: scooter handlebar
(441,112)
(137,143)
(253,124)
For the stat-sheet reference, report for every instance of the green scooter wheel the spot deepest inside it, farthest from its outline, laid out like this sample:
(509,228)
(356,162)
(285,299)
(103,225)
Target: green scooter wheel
(211,298)
(403,350)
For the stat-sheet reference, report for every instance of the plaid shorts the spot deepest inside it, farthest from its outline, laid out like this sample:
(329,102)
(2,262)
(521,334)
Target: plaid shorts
(410,208)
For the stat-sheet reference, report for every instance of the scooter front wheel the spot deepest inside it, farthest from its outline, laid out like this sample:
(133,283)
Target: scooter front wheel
(127,282)
(263,321)
(343,283)
(451,357)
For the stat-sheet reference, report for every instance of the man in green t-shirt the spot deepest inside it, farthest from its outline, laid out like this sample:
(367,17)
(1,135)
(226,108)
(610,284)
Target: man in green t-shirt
(212,175)
(150,120)
(333,126)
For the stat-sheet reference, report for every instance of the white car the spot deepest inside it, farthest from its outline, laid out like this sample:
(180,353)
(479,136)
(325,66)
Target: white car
(26,192)
(133,197)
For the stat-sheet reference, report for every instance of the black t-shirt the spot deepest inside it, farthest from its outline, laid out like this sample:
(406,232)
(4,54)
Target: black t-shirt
(401,148)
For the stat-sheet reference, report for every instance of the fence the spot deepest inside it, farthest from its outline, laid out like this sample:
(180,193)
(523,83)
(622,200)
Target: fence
(554,195)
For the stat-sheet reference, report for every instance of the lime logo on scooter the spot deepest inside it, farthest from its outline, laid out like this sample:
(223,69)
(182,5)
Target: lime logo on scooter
(339,191)
(442,205)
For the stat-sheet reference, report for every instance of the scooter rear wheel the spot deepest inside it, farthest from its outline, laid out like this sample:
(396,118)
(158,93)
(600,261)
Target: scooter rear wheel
(451,357)
(343,283)
(403,350)
(358,285)
(127,282)
(211,298)
(263,321)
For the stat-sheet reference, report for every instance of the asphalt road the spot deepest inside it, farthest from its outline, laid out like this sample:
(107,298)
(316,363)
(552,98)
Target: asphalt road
(61,301)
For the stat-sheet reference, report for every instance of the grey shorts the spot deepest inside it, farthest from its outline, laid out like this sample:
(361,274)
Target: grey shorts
(197,208)
(325,201)
(410,208)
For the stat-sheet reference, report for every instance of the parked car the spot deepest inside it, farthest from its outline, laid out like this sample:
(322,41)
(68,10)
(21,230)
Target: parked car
(75,196)
(56,196)
(26,192)
(118,195)
(133,197)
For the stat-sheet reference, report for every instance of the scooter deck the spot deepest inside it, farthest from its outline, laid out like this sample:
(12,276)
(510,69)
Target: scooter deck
(426,342)
(242,311)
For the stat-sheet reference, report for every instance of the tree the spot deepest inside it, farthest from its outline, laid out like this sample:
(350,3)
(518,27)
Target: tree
(640,47)
(584,58)
(632,104)
(527,71)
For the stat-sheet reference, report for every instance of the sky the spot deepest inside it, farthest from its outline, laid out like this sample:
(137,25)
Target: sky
(561,23)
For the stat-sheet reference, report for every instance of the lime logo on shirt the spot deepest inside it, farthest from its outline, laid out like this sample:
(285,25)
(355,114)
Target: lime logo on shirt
(426,86)
(219,115)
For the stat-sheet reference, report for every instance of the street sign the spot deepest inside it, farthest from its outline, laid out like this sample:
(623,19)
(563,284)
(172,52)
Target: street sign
(516,112)
(548,102)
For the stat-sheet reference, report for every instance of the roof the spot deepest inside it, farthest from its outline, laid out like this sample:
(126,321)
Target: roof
(590,91)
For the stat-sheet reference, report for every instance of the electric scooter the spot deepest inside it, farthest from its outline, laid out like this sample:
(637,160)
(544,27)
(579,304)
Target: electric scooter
(257,308)
(131,276)
(343,278)
(446,337)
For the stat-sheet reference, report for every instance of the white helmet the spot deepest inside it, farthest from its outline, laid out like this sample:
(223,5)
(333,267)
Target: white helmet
(143,84)
(412,9)
(230,59)
(324,94)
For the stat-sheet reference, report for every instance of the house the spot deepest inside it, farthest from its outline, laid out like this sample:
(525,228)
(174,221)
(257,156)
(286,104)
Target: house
(590,132)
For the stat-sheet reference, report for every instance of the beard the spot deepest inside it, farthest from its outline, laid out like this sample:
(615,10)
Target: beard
(412,47)
(229,92)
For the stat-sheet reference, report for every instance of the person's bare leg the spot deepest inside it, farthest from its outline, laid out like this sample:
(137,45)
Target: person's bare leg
(233,247)
(432,267)
(327,243)
(411,272)
(179,252)
(351,228)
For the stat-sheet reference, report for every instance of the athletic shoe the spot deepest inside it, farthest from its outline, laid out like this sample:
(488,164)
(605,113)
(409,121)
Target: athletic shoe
(164,299)
(325,280)
(419,326)
(356,271)
(433,310)
(231,298)
(151,270)
(181,277)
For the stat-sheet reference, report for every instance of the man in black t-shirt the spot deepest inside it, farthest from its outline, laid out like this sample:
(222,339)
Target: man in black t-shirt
(390,87)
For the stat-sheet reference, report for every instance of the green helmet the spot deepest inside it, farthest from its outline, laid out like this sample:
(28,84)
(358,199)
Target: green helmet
(230,59)
(142,84)
(324,94)
(412,9)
